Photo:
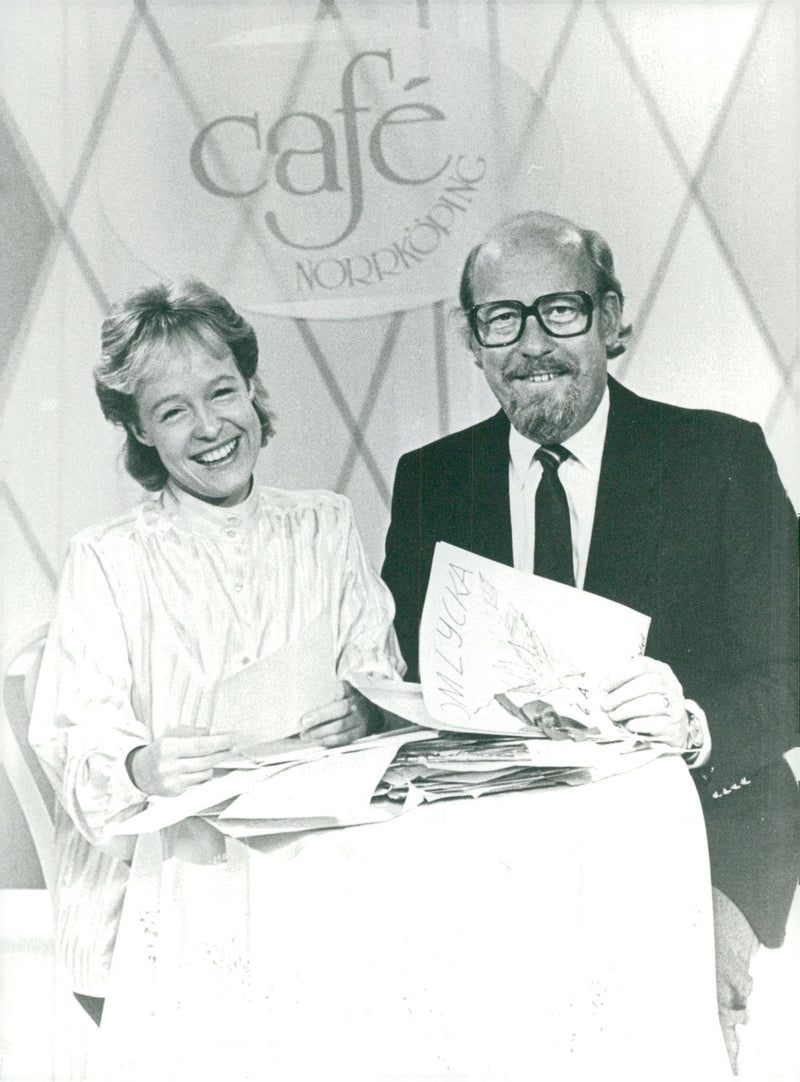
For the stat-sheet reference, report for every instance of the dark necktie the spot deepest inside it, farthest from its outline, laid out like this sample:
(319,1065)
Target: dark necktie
(553,537)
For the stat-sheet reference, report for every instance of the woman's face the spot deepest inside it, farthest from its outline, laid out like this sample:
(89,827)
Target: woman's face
(197,411)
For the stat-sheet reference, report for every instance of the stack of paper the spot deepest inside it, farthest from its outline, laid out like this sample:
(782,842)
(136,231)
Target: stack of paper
(460,765)
(463,765)
(332,790)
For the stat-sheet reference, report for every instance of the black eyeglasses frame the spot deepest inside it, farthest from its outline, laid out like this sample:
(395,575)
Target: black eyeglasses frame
(533,309)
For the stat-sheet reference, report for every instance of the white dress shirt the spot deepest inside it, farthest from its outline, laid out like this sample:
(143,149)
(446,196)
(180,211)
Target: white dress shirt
(153,608)
(580,475)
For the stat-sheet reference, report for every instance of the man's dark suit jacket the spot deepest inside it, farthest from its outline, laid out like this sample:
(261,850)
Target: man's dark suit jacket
(693,528)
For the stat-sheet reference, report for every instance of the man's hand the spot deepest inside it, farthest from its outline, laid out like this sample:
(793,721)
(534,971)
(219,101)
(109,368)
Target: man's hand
(342,721)
(645,695)
(182,757)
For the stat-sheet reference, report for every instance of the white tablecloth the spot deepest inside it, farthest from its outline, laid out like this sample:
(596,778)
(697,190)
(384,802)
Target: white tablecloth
(552,934)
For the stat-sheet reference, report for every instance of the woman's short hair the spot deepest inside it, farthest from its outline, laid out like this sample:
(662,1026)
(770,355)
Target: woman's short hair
(141,330)
(594,247)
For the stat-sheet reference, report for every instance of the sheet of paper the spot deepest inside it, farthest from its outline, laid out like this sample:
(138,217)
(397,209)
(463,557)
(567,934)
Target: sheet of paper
(588,754)
(265,701)
(288,750)
(263,828)
(339,785)
(489,630)
(163,811)
(405,700)
(633,760)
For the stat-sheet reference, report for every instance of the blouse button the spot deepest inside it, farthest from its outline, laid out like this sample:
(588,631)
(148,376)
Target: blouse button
(245,661)
(230,533)
(238,587)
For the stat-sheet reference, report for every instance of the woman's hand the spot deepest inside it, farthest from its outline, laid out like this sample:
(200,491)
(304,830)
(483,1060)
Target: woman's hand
(342,721)
(182,757)
(645,695)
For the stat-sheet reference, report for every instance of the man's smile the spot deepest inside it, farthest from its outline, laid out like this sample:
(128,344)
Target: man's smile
(538,375)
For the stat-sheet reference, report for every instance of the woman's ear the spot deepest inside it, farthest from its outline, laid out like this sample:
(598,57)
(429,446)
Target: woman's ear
(135,430)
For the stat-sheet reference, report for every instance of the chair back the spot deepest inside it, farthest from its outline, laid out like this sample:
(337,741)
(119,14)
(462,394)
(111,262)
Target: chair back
(19,668)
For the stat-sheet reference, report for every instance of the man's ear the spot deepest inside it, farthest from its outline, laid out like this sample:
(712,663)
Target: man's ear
(610,315)
(464,331)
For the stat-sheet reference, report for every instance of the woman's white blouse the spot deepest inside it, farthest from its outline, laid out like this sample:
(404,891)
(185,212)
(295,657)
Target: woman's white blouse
(153,608)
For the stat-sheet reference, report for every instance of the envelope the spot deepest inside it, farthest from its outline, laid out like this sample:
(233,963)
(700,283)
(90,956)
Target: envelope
(265,701)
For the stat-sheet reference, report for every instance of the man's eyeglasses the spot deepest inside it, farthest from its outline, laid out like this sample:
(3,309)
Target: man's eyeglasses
(502,323)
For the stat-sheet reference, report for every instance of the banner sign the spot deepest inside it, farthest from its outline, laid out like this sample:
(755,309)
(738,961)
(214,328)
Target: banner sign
(335,173)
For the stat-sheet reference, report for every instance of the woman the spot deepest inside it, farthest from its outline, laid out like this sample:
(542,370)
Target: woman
(157,605)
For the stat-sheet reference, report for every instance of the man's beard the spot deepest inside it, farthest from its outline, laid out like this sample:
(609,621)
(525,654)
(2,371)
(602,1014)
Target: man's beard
(548,419)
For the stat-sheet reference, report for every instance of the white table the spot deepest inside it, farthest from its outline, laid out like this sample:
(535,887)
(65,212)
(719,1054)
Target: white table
(551,934)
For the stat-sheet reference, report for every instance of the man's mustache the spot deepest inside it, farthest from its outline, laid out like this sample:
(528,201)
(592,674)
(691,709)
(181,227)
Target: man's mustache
(525,371)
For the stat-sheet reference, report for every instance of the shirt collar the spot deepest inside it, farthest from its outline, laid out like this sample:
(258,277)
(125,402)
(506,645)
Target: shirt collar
(585,445)
(180,505)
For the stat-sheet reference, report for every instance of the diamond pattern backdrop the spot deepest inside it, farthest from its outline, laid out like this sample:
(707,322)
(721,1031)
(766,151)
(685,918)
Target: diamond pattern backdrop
(678,129)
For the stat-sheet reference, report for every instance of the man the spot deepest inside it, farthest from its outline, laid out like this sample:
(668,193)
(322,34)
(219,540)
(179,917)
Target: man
(677,513)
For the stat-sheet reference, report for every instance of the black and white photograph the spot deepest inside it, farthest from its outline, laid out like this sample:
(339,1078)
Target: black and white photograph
(399,491)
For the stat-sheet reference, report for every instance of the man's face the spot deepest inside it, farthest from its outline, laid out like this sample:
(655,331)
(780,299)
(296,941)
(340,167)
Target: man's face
(549,387)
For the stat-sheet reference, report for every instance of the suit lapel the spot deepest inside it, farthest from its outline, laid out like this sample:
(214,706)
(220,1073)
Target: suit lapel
(623,554)
(489,512)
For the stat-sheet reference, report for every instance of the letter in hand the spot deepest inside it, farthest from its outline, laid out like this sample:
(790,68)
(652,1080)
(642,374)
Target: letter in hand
(182,757)
(347,718)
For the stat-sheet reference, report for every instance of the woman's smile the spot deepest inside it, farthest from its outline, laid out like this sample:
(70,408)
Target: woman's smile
(218,455)
(198,413)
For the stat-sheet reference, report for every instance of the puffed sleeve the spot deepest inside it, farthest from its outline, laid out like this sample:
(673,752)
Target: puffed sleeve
(366,640)
(82,724)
